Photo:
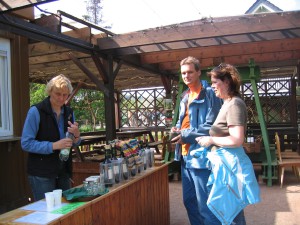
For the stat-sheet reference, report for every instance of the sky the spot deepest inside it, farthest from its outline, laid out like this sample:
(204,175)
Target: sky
(132,15)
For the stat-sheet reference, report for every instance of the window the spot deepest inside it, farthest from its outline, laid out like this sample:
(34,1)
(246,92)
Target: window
(6,124)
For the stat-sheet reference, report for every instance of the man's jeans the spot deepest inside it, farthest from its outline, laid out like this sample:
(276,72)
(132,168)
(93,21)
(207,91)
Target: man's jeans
(195,196)
(41,185)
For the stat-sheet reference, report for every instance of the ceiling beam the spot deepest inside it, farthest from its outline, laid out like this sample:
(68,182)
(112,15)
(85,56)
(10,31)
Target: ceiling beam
(35,32)
(206,42)
(205,28)
(236,60)
(93,78)
(223,51)
(61,56)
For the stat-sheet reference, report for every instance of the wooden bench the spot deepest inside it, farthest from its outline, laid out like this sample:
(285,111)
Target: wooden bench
(155,145)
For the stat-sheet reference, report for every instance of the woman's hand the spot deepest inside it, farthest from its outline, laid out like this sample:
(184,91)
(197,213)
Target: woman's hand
(62,143)
(73,128)
(204,141)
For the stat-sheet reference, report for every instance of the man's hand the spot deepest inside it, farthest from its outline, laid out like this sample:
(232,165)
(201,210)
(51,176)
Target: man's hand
(177,139)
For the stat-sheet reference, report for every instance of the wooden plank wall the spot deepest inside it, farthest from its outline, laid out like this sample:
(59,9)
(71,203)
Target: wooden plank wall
(82,170)
(144,200)
(14,188)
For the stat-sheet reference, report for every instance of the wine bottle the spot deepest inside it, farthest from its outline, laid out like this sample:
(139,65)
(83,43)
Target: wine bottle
(124,167)
(64,153)
(107,167)
(116,164)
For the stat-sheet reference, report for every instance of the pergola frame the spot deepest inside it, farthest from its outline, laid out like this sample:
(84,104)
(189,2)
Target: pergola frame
(107,61)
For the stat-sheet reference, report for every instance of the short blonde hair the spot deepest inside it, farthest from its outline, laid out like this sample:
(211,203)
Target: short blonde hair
(191,60)
(60,81)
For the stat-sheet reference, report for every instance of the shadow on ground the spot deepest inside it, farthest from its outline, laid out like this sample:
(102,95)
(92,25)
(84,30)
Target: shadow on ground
(278,206)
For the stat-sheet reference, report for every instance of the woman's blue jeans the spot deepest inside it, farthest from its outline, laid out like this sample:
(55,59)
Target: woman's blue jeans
(41,185)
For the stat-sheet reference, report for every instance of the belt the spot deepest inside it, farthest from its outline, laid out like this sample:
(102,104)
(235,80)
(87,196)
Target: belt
(214,147)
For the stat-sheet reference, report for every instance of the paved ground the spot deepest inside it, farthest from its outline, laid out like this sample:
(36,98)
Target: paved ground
(278,206)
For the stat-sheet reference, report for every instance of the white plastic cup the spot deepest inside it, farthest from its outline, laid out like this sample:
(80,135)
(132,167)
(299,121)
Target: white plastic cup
(49,196)
(57,196)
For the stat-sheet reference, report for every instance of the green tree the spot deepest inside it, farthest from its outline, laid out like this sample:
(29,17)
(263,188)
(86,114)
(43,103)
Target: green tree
(37,93)
(88,106)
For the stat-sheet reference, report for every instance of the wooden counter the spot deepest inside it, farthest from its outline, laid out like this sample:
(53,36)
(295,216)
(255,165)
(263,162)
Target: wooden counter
(143,199)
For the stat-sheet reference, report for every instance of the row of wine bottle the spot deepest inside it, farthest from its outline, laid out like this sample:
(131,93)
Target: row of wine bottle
(116,169)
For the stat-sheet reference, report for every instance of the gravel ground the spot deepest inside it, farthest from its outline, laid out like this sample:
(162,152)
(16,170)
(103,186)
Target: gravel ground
(278,206)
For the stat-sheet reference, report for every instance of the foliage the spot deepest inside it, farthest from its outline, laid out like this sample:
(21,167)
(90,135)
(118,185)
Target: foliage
(37,93)
(94,11)
(88,106)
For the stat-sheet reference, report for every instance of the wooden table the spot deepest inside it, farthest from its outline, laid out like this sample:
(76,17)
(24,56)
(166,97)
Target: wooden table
(86,142)
(143,199)
(92,139)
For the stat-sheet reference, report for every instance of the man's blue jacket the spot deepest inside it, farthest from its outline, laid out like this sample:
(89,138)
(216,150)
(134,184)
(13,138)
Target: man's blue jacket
(202,113)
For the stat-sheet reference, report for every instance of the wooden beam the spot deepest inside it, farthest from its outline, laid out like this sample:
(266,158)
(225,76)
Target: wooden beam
(88,24)
(223,51)
(70,68)
(237,60)
(205,28)
(102,71)
(42,48)
(74,92)
(117,68)
(23,28)
(48,58)
(8,5)
(206,42)
(51,22)
(166,83)
(93,78)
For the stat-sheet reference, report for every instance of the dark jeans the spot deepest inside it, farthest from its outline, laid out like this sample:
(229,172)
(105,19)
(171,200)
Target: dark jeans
(195,194)
(41,185)
(239,219)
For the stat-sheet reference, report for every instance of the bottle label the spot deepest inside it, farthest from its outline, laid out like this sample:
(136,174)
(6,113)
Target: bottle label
(125,168)
(116,169)
(110,174)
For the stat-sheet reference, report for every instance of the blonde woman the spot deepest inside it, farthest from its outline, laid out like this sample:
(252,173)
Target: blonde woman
(44,135)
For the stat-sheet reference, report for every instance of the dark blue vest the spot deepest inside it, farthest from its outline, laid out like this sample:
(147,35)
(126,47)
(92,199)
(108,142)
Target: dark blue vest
(49,165)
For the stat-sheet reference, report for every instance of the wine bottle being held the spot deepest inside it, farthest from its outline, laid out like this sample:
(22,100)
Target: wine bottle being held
(65,153)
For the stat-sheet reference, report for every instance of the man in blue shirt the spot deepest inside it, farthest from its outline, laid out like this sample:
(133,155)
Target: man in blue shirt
(199,108)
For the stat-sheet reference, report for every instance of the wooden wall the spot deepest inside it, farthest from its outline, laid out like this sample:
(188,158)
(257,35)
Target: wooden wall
(14,188)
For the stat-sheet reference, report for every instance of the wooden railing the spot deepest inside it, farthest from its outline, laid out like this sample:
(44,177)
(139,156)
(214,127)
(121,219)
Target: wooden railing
(157,132)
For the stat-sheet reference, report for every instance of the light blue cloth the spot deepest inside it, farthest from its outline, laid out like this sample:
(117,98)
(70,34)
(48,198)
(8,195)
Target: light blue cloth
(232,183)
